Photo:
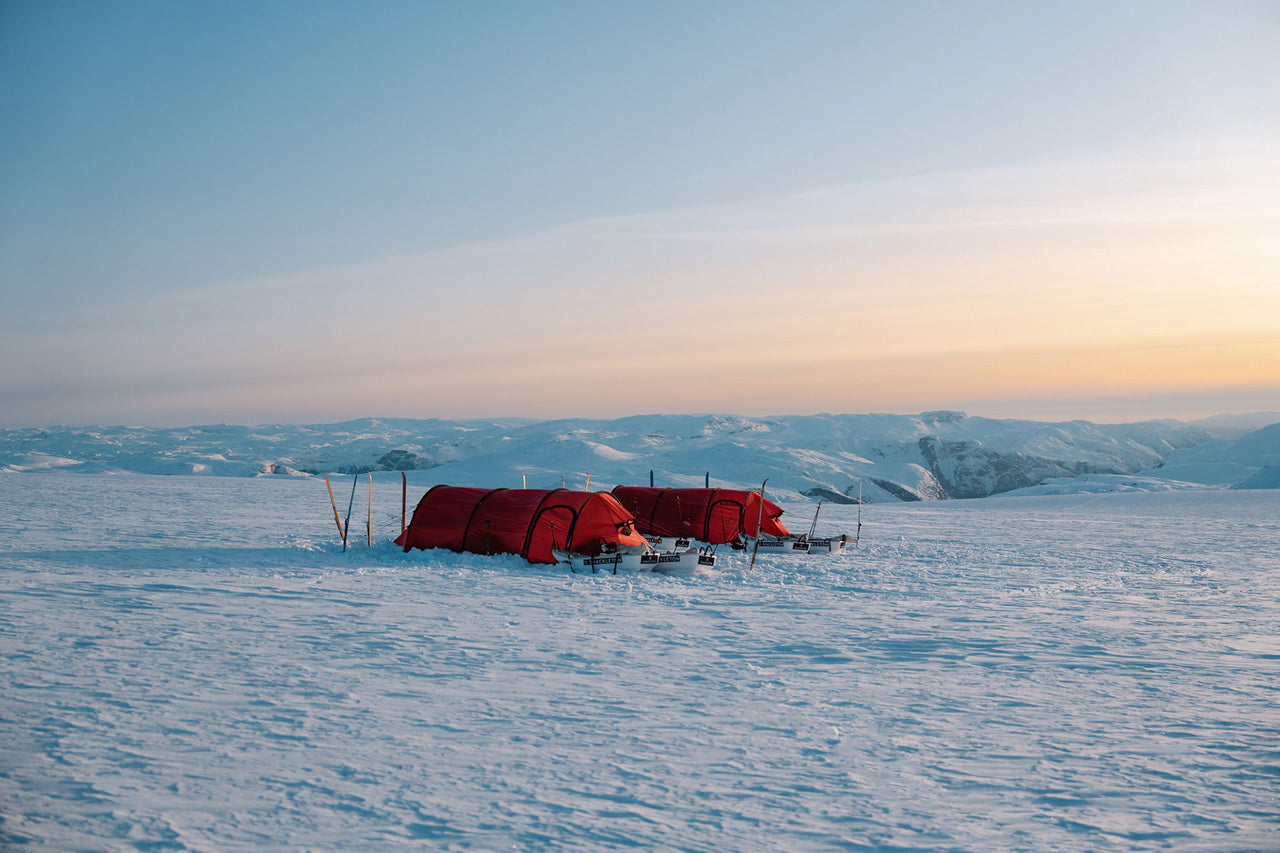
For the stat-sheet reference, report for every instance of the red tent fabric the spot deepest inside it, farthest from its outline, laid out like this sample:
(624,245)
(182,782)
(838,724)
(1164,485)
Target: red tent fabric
(715,516)
(528,522)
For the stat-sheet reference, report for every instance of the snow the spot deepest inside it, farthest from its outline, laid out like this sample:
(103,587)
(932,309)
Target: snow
(1266,478)
(887,457)
(1095,484)
(192,663)
(1234,426)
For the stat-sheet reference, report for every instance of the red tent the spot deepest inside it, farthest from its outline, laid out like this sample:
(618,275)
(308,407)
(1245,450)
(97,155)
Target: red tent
(713,515)
(528,522)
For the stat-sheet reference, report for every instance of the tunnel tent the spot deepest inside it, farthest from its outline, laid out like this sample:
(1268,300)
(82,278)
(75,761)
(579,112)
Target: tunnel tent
(528,522)
(714,516)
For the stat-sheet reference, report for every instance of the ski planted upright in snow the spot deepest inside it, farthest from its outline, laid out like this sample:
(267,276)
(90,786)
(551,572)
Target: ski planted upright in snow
(759,521)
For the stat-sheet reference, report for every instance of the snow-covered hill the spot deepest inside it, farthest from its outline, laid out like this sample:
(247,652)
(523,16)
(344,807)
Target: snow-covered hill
(1251,461)
(1234,426)
(1245,462)
(928,456)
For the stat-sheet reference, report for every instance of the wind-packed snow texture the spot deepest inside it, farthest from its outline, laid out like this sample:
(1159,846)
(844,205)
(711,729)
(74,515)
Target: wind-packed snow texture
(193,664)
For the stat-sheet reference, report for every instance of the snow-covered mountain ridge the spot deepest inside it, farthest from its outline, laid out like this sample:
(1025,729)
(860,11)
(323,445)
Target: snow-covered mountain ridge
(929,456)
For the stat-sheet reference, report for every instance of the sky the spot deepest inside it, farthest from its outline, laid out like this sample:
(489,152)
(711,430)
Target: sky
(315,211)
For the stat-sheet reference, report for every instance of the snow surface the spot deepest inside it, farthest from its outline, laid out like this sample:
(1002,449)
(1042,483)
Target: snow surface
(193,664)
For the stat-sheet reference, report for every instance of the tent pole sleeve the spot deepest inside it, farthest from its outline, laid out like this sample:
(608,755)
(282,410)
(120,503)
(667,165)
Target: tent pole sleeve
(466,531)
(536,517)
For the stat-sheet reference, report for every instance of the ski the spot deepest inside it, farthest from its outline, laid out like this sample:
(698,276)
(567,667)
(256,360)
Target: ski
(354,481)
(333,503)
(759,521)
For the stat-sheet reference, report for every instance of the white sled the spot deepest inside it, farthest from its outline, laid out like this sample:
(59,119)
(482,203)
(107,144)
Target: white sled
(797,544)
(688,562)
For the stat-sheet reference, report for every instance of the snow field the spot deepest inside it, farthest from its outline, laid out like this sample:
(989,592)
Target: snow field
(193,664)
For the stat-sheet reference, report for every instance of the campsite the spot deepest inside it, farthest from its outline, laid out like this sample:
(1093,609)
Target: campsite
(731,426)
(669,531)
(583,530)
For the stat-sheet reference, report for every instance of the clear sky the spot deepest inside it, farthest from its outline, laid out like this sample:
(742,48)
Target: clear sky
(254,212)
